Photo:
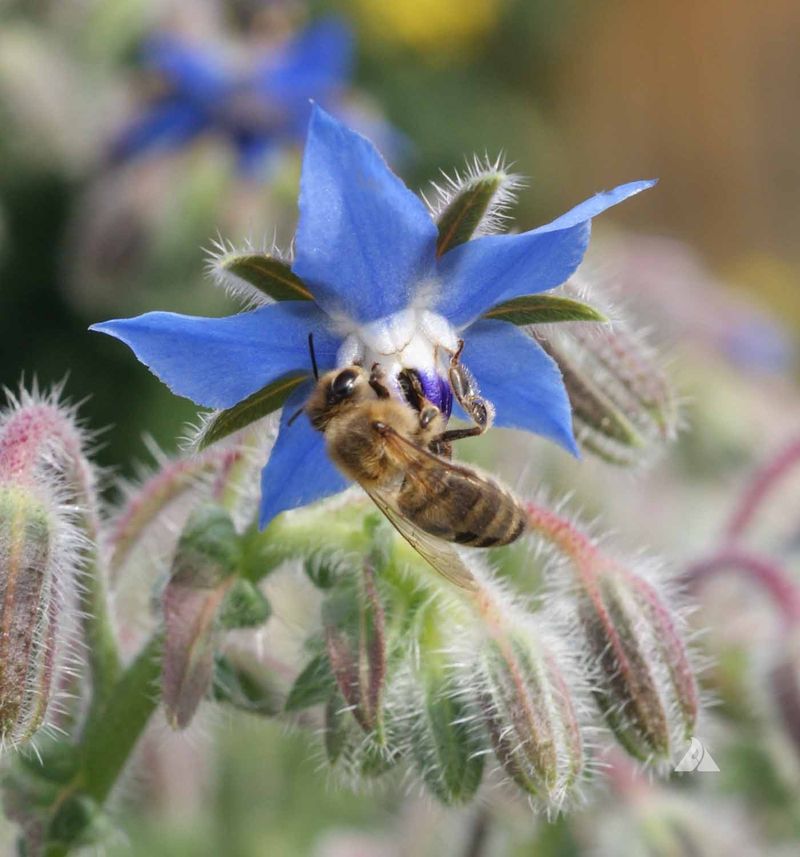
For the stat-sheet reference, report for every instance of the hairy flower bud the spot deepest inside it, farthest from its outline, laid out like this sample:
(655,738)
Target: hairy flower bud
(355,639)
(39,555)
(443,722)
(623,405)
(530,715)
(643,680)
(29,611)
(646,687)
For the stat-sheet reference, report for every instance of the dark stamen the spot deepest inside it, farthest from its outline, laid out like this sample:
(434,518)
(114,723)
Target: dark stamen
(313,358)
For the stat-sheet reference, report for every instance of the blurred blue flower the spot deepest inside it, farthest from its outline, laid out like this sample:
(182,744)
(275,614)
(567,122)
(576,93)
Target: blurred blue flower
(365,248)
(258,111)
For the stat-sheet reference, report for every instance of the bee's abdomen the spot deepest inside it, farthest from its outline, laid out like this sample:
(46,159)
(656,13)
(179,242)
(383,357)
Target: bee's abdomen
(473,512)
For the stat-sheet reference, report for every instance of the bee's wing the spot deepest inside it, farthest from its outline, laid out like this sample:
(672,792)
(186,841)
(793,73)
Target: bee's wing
(440,554)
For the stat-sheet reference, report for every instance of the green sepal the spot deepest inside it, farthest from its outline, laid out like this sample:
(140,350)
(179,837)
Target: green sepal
(445,745)
(245,606)
(203,574)
(466,210)
(268,274)
(335,731)
(544,309)
(245,689)
(260,404)
(313,686)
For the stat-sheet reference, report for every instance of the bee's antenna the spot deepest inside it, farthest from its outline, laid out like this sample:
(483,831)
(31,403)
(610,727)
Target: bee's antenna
(313,357)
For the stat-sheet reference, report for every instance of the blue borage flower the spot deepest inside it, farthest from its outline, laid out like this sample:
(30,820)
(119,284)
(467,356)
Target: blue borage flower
(257,109)
(375,289)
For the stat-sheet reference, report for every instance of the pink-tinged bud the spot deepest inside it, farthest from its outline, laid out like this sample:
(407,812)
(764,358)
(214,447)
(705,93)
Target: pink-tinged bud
(644,683)
(531,717)
(32,611)
(203,573)
(42,473)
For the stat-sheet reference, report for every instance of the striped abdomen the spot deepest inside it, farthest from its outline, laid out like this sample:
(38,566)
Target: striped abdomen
(460,506)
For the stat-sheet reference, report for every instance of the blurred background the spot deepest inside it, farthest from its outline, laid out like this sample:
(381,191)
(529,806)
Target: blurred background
(117,170)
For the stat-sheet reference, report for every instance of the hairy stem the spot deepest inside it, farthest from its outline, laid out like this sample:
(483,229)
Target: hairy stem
(760,487)
(111,736)
(172,481)
(762,570)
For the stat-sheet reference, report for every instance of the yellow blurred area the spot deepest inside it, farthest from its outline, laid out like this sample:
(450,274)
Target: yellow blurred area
(436,28)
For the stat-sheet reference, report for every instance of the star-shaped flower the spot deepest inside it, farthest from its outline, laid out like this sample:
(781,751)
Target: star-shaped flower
(375,278)
(257,108)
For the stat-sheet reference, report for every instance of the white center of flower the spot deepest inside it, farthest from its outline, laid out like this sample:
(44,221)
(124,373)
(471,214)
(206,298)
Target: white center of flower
(413,338)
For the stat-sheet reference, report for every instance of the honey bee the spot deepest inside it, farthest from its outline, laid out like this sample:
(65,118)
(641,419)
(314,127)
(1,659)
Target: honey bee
(398,452)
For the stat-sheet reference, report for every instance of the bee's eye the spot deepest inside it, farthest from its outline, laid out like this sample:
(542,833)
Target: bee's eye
(344,384)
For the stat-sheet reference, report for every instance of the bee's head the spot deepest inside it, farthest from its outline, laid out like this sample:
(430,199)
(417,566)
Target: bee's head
(336,392)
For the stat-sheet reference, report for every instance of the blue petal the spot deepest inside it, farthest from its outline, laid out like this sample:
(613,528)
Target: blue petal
(299,470)
(522,382)
(597,204)
(164,126)
(485,271)
(217,362)
(364,241)
(193,71)
(313,65)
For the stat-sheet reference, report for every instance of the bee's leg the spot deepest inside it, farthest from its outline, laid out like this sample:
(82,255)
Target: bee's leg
(376,381)
(465,389)
(412,389)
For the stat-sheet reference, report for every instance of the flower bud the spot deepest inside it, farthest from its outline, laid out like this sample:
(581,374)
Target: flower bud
(203,573)
(530,715)
(643,680)
(645,686)
(441,719)
(623,405)
(355,639)
(33,564)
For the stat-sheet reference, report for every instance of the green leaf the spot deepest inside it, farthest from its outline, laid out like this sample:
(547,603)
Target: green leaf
(463,215)
(314,685)
(268,274)
(544,309)
(263,402)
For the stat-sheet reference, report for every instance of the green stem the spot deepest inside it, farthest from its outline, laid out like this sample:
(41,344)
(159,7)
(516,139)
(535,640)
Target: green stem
(101,643)
(110,737)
